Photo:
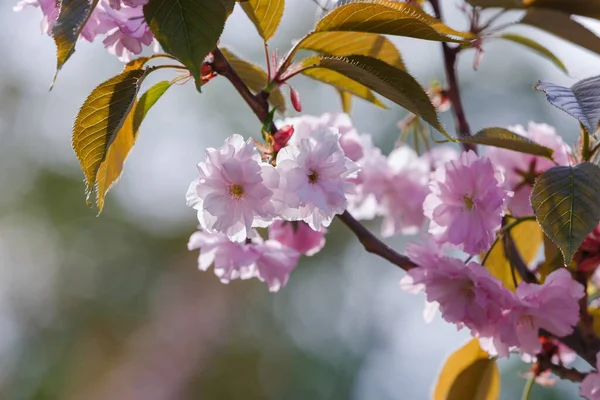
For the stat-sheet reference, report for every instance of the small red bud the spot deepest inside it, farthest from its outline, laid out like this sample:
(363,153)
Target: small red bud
(206,72)
(295,98)
(282,136)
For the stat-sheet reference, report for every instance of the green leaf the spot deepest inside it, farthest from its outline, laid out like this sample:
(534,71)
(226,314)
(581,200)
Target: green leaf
(388,18)
(528,237)
(265,14)
(503,138)
(468,374)
(563,26)
(187,29)
(71,19)
(100,119)
(342,82)
(353,43)
(255,78)
(111,167)
(392,83)
(535,46)
(581,101)
(565,202)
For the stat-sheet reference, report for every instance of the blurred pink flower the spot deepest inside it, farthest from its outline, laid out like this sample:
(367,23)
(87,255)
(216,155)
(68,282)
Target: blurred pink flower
(466,203)
(590,386)
(520,169)
(298,236)
(274,263)
(234,190)
(49,9)
(553,306)
(315,178)
(467,294)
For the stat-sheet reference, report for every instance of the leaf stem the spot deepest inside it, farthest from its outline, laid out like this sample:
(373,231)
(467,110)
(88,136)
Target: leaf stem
(528,387)
(450,55)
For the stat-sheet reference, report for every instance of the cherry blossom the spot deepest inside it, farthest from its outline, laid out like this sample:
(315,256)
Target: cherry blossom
(315,178)
(466,203)
(234,191)
(590,386)
(49,9)
(520,169)
(298,236)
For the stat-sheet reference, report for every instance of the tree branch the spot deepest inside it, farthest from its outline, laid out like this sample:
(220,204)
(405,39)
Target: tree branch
(450,55)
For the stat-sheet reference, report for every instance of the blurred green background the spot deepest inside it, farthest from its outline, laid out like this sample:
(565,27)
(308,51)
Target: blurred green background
(114,307)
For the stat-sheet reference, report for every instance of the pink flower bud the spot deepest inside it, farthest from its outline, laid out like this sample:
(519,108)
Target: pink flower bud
(282,136)
(295,98)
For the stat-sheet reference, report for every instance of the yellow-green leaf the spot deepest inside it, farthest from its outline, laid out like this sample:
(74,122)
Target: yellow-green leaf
(562,26)
(503,138)
(100,119)
(528,238)
(468,374)
(187,29)
(565,202)
(71,19)
(353,43)
(535,46)
(111,167)
(392,83)
(346,99)
(342,82)
(265,14)
(255,78)
(388,18)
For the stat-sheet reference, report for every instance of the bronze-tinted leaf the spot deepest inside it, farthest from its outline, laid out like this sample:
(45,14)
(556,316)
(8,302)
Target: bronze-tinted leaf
(187,29)
(586,8)
(503,138)
(255,78)
(468,373)
(100,119)
(565,202)
(354,43)
(71,19)
(535,46)
(342,82)
(111,167)
(265,14)
(388,18)
(392,83)
(563,26)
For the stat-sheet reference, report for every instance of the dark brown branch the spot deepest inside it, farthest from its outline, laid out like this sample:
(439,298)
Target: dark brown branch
(450,55)
(545,364)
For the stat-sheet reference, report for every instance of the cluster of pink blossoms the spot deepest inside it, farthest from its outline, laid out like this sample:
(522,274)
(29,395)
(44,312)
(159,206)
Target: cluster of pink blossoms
(121,21)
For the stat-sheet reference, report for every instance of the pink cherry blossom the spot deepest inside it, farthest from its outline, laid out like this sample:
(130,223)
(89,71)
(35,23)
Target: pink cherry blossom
(466,203)
(352,143)
(590,386)
(466,294)
(233,193)
(274,263)
(298,236)
(315,178)
(552,306)
(521,169)
(269,261)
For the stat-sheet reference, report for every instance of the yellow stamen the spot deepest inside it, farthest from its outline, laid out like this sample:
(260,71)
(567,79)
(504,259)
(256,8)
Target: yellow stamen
(468,202)
(236,191)
(313,177)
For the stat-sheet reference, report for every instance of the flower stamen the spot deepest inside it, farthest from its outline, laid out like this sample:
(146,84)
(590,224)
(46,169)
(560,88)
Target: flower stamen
(236,191)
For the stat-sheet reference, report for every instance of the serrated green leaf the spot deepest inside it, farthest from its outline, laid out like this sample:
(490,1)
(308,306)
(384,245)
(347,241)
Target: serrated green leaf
(565,202)
(392,83)
(388,18)
(528,237)
(71,19)
(111,167)
(265,14)
(535,46)
(100,119)
(187,29)
(581,101)
(255,78)
(353,43)
(342,82)
(562,26)
(505,139)
(468,374)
